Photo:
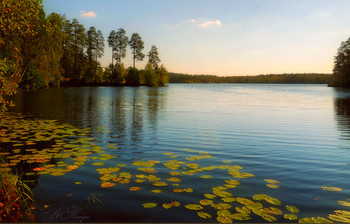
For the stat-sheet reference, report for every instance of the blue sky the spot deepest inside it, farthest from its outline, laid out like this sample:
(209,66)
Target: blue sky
(222,37)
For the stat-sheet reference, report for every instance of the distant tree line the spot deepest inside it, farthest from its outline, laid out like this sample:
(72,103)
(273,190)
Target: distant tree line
(38,50)
(307,78)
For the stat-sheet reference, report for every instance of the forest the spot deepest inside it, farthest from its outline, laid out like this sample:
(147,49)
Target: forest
(42,51)
(312,78)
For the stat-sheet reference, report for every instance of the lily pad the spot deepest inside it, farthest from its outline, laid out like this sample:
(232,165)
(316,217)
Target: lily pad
(220,206)
(107,184)
(135,188)
(269,218)
(98,164)
(292,209)
(259,197)
(174,179)
(149,205)
(273,201)
(206,202)
(157,191)
(271,181)
(290,216)
(223,212)
(206,176)
(160,184)
(194,207)
(167,205)
(344,203)
(240,216)
(274,186)
(228,199)
(331,188)
(204,215)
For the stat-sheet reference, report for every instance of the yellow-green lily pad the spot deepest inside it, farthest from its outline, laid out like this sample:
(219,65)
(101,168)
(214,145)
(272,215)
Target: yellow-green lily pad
(149,205)
(290,216)
(194,207)
(331,188)
(204,215)
(292,209)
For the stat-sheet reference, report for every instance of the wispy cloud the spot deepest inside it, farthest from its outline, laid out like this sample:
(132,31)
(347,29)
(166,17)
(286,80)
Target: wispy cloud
(87,14)
(201,23)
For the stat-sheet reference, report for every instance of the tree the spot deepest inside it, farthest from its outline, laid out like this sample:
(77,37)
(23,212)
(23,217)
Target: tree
(133,77)
(163,77)
(49,59)
(91,44)
(153,57)
(150,76)
(19,23)
(111,43)
(136,44)
(67,59)
(120,44)
(120,73)
(78,45)
(341,69)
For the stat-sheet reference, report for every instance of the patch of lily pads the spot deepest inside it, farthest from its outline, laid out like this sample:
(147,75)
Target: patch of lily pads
(47,147)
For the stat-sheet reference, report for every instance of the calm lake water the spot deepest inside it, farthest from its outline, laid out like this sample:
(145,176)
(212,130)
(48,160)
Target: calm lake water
(296,134)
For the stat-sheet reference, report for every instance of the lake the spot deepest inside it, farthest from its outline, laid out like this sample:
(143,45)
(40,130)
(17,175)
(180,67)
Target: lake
(202,135)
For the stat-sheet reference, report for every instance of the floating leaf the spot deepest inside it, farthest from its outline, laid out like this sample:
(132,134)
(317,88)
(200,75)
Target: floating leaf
(204,215)
(220,206)
(206,202)
(273,210)
(206,176)
(135,188)
(139,180)
(167,205)
(124,181)
(223,212)
(125,175)
(290,216)
(210,196)
(331,188)
(338,218)
(188,190)
(231,181)
(160,184)
(240,216)
(98,164)
(305,220)
(243,210)
(344,203)
(148,170)
(273,201)
(143,163)
(194,207)
(259,197)
(78,183)
(149,205)
(29,174)
(244,201)
(269,218)
(222,219)
(271,181)
(175,203)
(178,190)
(274,186)
(107,184)
(157,191)
(72,167)
(222,194)
(174,179)
(321,220)
(292,209)
(228,199)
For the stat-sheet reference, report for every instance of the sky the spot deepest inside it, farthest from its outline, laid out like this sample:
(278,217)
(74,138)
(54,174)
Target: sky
(222,37)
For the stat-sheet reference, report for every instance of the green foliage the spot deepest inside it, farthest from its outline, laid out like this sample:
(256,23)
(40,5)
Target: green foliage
(341,70)
(136,44)
(120,74)
(20,27)
(163,76)
(119,45)
(133,77)
(153,57)
(150,76)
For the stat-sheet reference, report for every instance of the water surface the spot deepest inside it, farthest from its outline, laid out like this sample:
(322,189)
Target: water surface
(296,134)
